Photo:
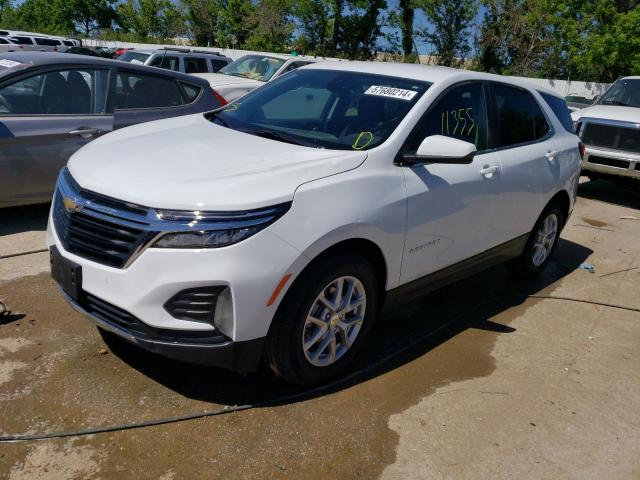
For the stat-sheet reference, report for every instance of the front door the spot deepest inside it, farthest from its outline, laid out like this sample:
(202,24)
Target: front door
(44,119)
(451,208)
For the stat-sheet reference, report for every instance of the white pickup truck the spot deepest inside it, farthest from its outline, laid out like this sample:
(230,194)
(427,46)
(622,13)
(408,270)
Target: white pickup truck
(610,131)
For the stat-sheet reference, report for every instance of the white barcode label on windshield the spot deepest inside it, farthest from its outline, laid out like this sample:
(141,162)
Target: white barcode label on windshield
(8,63)
(391,92)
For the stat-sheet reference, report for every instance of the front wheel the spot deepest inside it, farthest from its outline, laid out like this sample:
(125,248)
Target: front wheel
(323,321)
(541,244)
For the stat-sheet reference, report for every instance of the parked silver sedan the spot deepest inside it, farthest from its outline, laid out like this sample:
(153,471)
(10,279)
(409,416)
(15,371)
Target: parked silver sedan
(51,104)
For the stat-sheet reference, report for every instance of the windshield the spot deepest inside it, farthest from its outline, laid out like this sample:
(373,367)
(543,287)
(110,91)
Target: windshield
(624,92)
(324,108)
(255,67)
(134,57)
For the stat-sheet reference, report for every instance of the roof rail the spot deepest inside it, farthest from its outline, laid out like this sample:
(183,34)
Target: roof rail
(207,52)
(176,49)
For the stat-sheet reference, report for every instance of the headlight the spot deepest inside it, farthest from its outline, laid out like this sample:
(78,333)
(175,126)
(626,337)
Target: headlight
(198,229)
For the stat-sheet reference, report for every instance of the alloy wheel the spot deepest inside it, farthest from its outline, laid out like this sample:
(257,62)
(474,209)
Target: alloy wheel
(545,239)
(334,321)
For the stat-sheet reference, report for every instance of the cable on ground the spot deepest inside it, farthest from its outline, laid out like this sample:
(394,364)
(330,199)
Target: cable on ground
(296,396)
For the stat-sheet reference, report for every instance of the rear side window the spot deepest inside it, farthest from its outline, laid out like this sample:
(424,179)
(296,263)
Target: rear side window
(191,91)
(69,43)
(167,62)
(47,42)
(560,109)
(134,90)
(195,65)
(519,118)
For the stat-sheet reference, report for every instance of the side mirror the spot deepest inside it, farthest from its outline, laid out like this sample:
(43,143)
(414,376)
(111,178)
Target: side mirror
(440,149)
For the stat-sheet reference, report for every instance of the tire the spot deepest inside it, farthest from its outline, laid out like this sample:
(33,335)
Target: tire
(292,326)
(532,262)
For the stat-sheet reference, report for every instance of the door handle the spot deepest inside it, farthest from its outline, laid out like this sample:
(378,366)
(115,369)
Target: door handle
(488,171)
(551,155)
(85,132)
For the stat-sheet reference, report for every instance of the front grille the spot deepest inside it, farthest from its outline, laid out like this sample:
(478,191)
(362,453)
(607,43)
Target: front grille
(118,317)
(611,162)
(97,229)
(616,137)
(195,304)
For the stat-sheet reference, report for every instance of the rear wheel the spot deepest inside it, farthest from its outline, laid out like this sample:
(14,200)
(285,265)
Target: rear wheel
(323,321)
(542,242)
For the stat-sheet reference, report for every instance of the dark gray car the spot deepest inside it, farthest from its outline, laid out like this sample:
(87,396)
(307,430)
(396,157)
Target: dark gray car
(51,104)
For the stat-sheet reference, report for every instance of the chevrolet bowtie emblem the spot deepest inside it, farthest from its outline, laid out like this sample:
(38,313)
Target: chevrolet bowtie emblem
(70,205)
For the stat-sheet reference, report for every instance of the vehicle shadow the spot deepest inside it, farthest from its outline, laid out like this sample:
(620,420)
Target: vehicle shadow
(611,192)
(24,219)
(424,325)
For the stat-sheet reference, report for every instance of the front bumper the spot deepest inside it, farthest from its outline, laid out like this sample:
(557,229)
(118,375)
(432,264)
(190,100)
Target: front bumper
(217,351)
(611,162)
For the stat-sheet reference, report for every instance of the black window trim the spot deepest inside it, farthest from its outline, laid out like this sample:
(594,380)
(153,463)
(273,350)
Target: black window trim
(148,74)
(434,103)
(57,68)
(492,116)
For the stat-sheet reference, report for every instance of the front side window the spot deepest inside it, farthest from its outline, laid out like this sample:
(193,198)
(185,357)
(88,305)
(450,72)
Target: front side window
(134,90)
(325,108)
(218,64)
(195,65)
(66,92)
(460,113)
(167,62)
(255,67)
(22,40)
(518,117)
(624,92)
(69,43)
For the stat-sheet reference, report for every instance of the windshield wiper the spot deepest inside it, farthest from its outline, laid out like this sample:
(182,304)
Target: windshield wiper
(280,137)
(215,116)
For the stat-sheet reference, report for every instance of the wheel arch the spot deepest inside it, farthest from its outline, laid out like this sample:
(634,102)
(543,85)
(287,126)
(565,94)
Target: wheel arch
(563,201)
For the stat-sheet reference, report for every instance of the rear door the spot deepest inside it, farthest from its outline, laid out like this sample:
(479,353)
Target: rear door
(44,118)
(523,136)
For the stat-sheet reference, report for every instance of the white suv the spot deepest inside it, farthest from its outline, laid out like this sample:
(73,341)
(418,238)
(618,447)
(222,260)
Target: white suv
(278,227)
(610,130)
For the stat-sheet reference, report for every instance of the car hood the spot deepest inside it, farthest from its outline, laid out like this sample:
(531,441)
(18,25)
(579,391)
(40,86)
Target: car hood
(609,112)
(217,80)
(190,163)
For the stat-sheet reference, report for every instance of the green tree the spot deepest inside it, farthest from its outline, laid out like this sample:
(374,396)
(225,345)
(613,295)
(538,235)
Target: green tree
(406,11)
(361,29)
(45,16)
(313,19)
(156,19)
(449,33)
(91,15)
(273,26)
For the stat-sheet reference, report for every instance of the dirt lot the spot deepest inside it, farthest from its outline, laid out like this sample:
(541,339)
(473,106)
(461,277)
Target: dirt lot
(515,388)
